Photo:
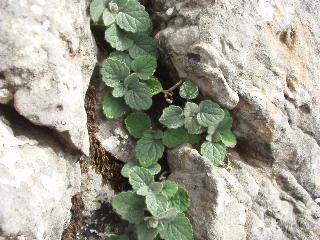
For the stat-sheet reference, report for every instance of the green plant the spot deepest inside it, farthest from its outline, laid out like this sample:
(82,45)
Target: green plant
(157,209)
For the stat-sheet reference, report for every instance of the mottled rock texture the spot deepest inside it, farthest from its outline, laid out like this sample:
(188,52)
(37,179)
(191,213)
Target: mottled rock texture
(261,59)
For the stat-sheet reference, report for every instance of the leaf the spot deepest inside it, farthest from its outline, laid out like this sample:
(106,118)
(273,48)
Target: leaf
(118,38)
(140,177)
(139,97)
(145,233)
(189,90)
(153,134)
(167,215)
(137,123)
(132,16)
(154,84)
(180,200)
(143,45)
(210,114)
(144,66)
(226,137)
(153,169)
(114,72)
(169,188)
(156,204)
(117,237)
(194,138)
(175,137)
(226,123)
(191,123)
(114,107)
(148,151)
(108,17)
(119,90)
(172,117)
(153,188)
(131,81)
(178,229)
(122,57)
(129,206)
(96,9)
(213,151)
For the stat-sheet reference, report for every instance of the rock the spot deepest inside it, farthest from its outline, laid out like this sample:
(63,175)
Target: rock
(46,61)
(245,202)
(37,182)
(262,55)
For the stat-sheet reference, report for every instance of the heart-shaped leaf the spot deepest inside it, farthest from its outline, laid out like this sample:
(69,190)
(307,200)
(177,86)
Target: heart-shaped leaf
(139,96)
(172,117)
(114,107)
(137,123)
(118,38)
(140,177)
(189,90)
(210,114)
(148,151)
(144,66)
(143,45)
(114,72)
(175,137)
(213,151)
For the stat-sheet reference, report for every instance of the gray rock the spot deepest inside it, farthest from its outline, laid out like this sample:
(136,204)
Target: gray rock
(47,55)
(37,182)
(264,55)
(245,202)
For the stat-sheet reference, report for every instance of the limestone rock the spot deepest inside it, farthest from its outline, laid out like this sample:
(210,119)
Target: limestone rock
(47,55)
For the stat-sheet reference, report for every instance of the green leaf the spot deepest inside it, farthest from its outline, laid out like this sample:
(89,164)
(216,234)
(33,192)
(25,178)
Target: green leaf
(153,188)
(144,66)
(156,204)
(96,9)
(226,137)
(137,123)
(114,107)
(132,16)
(194,138)
(129,206)
(172,117)
(210,114)
(108,17)
(180,200)
(153,134)
(117,237)
(118,38)
(122,57)
(154,84)
(119,90)
(175,137)
(140,177)
(167,215)
(213,151)
(139,97)
(114,72)
(131,81)
(191,123)
(169,188)
(148,151)
(189,90)
(153,169)
(143,45)
(145,233)
(226,123)
(178,229)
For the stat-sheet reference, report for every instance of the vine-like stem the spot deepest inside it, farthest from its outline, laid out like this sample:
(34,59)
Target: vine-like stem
(169,92)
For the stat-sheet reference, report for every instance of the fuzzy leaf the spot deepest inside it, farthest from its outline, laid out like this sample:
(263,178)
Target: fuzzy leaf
(143,45)
(114,72)
(154,84)
(122,57)
(131,81)
(114,107)
(172,117)
(210,114)
(156,204)
(139,97)
(169,188)
(153,134)
(132,16)
(175,137)
(226,137)
(167,215)
(118,38)
(178,229)
(145,233)
(189,90)
(119,90)
(96,9)
(129,206)
(213,151)
(140,177)
(153,188)
(226,123)
(144,66)
(153,169)
(137,123)
(191,123)
(148,151)
(180,200)
(108,17)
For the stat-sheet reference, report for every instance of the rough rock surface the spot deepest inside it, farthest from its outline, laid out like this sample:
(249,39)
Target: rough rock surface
(37,182)
(245,202)
(265,52)
(47,55)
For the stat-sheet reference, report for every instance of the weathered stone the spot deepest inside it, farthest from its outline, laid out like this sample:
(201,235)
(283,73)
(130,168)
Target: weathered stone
(37,182)
(245,202)
(47,56)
